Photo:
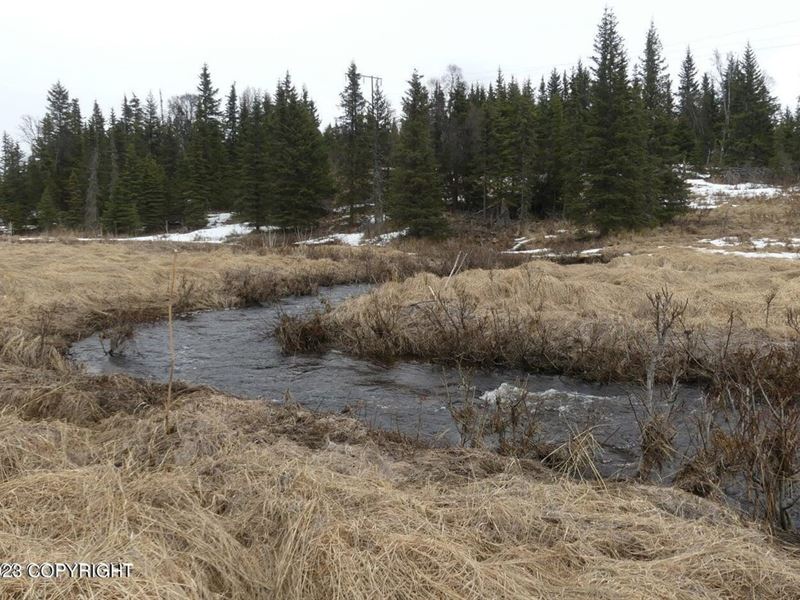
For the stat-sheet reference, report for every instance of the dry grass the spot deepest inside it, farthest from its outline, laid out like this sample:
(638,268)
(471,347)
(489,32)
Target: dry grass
(591,320)
(248,500)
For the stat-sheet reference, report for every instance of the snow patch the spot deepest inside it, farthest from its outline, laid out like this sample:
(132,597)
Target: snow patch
(210,235)
(744,254)
(354,239)
(709,195)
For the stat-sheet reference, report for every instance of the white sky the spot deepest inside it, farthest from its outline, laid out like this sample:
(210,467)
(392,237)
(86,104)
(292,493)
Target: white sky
(104,49)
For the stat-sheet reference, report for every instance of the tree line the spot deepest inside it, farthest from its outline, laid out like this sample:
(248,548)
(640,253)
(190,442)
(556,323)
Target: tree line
(605,144)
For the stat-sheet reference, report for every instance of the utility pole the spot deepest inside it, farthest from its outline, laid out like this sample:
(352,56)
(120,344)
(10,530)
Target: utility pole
(377,175)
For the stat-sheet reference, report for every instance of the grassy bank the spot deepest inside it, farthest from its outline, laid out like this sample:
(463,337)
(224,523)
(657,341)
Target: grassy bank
(595,321)
(246,499)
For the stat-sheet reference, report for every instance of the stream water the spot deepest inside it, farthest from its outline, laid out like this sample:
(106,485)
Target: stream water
(236,351)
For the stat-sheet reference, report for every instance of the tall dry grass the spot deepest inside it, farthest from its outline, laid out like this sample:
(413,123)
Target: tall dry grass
(590,320)
(248,500)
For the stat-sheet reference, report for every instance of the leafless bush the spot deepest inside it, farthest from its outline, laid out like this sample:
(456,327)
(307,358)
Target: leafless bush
(250,286)
(508,421)
(756,400)
(301,333)
(656,427)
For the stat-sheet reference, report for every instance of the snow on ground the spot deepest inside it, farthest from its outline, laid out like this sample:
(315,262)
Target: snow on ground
(213,235)
(216,231)
(734,246)
(519,243)
(348,239)
(757,243)
(354,239)
(538,251)
(707,195)
(745,254)
(548,253)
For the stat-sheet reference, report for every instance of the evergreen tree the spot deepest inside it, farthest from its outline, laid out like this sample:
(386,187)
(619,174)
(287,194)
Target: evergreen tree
(522,116)
(687,126)
(299,173)
(58,147)
(14,206)
(457,147)
(664,187)
(752,115)
(415,200)
(708,122)
(353,166)
(47,214)
(551,149)
(254,189)
(95,142)
(151,194)
(381,125)
(501,159)
(617,157)
(576,114)
(231,141)
(203,189)
(75,208)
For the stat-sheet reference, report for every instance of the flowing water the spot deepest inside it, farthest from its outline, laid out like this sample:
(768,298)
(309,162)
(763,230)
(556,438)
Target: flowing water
(236,351)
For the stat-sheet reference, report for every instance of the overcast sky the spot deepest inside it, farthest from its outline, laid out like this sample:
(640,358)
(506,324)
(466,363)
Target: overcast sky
(104,49)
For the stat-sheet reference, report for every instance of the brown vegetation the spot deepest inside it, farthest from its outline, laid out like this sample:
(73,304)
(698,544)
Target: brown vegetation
(589,320)
(246,500)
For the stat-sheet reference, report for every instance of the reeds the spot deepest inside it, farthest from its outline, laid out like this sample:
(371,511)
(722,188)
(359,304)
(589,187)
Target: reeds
(250,500)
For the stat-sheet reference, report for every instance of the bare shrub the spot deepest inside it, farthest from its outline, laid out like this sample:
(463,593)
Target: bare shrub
(756,400)
(505,419)
(251,286)
(304,333)
(656,428)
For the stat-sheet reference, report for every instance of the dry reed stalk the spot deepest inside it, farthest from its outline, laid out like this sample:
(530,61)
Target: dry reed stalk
(171,343)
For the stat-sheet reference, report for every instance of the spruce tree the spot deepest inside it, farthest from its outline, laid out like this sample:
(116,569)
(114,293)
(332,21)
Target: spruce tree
(522,117)
(384,133)
(297,164)
(456,144)
(415,200)
(75,207)
(752,115)
(551,149)
(576,114)
(353,166)
(708,121)
(617,157)
(96,144)
(47,213)
(203,189)
(253,203)
(664,187)
(687,125)
(151,194)
(500,151)
(14,207)
(232,144)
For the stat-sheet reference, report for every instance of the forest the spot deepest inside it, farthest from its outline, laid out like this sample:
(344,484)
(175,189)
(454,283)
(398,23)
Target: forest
(607,144)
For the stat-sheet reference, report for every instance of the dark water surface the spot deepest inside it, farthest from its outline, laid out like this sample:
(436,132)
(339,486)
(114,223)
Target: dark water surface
(236,351)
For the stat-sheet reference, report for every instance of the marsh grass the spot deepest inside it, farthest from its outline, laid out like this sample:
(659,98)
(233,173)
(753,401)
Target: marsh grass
(245,499)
